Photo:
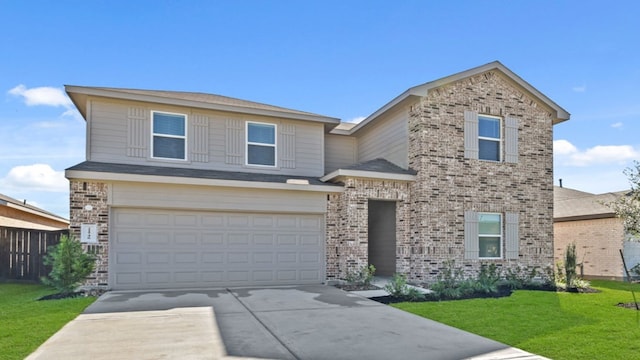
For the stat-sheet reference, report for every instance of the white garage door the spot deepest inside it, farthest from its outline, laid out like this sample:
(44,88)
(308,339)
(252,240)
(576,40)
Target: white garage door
(153,249)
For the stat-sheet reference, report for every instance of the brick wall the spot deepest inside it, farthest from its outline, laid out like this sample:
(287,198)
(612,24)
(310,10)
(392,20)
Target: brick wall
(347,224)
(85,193)
(598,242)
(448,183)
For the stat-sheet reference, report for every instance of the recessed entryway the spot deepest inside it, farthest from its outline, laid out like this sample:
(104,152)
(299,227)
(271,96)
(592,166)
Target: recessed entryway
(382,236)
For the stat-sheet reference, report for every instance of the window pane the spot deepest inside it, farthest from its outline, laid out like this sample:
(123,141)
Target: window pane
(261,155)
(490,247)
(489,150)
(489,224)
(489,127)
(168,124)
(171,148)
(262,133)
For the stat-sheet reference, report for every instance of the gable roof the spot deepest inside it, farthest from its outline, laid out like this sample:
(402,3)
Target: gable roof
(79,94)
(23,206)
(570,204)
(373,169)
(422,91)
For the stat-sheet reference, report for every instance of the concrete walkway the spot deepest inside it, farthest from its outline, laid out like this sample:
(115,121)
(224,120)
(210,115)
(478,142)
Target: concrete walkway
(303,322)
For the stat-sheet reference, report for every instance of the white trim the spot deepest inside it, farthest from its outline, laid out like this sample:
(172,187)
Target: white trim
(367,175)
(159,179)
(500,236)
(500,139)
(247,143)
(185,137)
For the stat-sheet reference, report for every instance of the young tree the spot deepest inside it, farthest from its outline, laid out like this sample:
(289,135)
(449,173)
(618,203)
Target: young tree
(628,207)
(70,265)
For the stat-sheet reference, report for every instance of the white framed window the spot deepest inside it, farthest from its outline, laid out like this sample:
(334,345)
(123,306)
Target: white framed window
(489,138)
(261,144)
(490,235)
(168,136)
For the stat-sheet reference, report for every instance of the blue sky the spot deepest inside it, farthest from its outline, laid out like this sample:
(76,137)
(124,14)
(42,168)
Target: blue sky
(337,58)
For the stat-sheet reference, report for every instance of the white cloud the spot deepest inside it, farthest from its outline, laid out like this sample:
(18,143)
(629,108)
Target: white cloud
(36,177)
(570,155)
(579,89)
(45,95)
(563,147)
(356,120)
(617,125)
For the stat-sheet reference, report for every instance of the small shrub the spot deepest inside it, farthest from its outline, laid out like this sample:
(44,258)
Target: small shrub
(364,276)
(398,286)
(488,278)
(70,265)
(570,264)
(635,270)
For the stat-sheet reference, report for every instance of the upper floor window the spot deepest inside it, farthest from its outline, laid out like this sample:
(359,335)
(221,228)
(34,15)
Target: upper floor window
(490,235)
(489,138)
(261,144)
(169,135)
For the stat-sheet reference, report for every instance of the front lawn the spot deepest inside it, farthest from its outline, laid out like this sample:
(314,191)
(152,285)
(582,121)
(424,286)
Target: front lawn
(25,322)
(555,325)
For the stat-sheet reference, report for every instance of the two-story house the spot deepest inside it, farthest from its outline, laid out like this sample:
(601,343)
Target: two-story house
(198,190)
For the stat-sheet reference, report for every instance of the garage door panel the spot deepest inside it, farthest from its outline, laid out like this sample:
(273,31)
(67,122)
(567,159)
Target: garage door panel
(173,249)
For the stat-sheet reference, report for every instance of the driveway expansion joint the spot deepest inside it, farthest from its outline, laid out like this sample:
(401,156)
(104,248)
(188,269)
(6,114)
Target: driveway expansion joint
(263,325)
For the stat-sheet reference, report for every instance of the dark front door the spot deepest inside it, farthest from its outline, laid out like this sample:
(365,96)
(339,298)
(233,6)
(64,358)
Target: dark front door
(382,236)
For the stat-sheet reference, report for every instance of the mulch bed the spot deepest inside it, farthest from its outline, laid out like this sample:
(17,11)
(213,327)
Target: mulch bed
(356,287)
(631,306)
(76,294)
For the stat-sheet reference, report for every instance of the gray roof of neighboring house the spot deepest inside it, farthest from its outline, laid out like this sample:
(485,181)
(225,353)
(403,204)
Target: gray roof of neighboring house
(570,204)
(191,99)
(4,200)
(380,165)
(190,173)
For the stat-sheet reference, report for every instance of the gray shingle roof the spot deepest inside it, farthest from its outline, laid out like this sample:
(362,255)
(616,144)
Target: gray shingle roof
(570,204)
(380,165)
(190,173)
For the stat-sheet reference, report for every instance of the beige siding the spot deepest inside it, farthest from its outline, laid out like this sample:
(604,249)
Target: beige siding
(598,243)
(125,194)
(339,152)
(387,139)
(111,140)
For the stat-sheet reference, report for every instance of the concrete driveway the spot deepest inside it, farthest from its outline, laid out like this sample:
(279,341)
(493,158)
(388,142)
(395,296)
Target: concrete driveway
(301,322)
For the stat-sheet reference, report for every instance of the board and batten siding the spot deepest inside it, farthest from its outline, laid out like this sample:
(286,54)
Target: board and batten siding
(213,198)
(120,133)
(388,138)
(339,152)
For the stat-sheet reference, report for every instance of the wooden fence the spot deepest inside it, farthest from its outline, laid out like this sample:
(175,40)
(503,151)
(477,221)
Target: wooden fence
(22,252)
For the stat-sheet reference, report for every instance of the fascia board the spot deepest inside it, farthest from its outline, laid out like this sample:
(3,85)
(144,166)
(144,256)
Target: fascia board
(178,180)
(367,175)
(35,212)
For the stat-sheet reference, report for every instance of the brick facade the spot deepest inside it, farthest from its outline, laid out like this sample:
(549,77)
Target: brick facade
(347,224)
(448,183)
(89,206)
(598,242)
(430,212)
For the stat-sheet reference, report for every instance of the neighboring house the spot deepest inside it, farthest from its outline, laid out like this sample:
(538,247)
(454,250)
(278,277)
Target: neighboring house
(584,219)
(18,214)
(198,190)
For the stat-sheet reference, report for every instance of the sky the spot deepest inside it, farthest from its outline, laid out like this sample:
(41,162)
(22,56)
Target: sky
(342,59)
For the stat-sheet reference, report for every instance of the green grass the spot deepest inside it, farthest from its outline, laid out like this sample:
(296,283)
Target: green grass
(555,325)
(25,323)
